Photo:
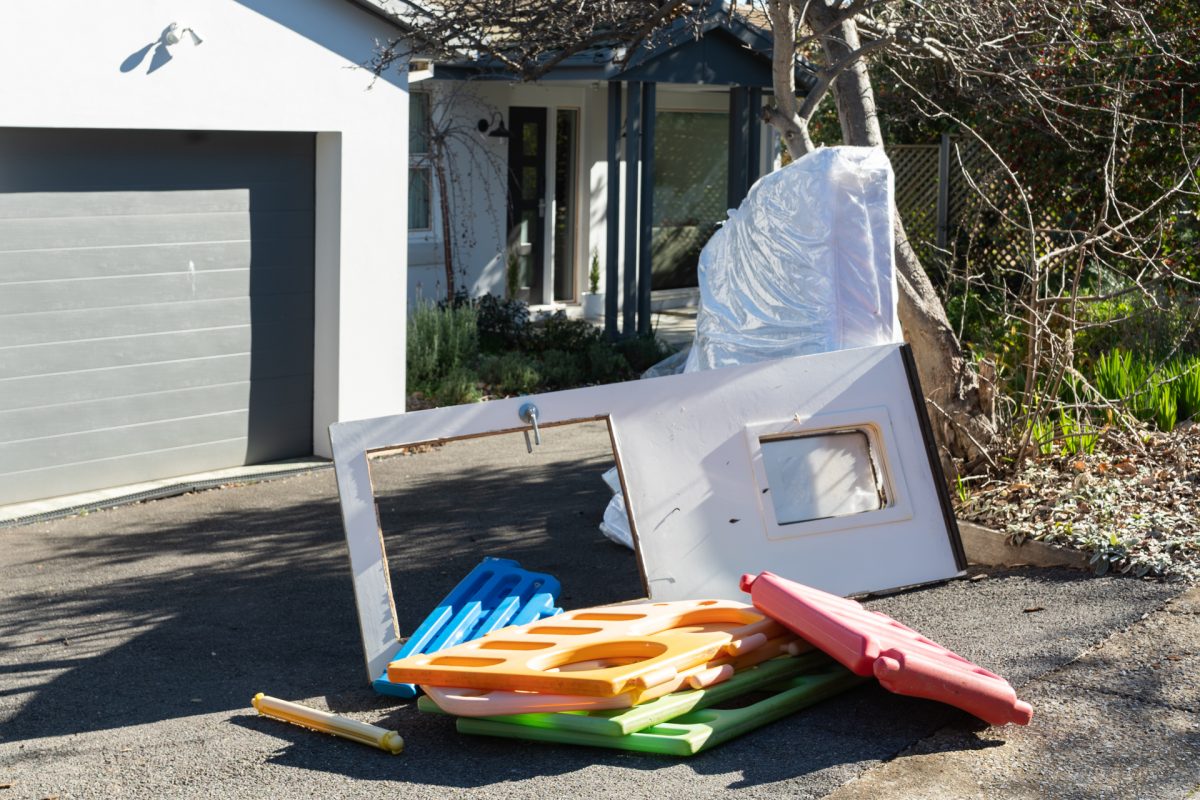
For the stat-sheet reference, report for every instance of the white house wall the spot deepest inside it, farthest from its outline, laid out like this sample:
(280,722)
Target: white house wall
(264,65)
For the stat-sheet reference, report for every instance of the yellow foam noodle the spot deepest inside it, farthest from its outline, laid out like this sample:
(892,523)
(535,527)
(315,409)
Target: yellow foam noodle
(323,721)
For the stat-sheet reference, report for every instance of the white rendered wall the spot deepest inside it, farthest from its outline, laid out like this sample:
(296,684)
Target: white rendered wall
(264,65)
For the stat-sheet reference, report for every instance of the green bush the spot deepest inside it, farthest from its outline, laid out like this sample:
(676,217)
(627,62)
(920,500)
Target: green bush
(643,352)
(606,365)
(503,323)
(1153,327)
(562,370)
(510,373)
(560,332)
(458,344)
(460,385)
(1163,396)
(440,340)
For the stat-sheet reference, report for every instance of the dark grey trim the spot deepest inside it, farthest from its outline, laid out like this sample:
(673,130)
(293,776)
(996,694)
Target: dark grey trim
(646,211)
(612,214)
(633,131)
(935,463)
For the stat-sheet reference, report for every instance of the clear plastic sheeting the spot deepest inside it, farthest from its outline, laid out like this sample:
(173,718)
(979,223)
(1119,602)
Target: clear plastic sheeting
(615,524)
(804,265)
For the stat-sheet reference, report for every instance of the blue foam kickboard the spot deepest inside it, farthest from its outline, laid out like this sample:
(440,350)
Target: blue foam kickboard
(497,593)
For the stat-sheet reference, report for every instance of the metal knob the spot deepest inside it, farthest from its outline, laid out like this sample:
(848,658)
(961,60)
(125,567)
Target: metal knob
(529,415)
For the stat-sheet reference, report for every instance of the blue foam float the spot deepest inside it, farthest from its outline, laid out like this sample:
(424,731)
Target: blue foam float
(497,593)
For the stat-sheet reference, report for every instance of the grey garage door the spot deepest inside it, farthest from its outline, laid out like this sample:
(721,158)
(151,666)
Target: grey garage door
(156,295)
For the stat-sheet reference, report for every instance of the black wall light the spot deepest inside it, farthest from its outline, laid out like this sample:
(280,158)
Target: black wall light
(494,127)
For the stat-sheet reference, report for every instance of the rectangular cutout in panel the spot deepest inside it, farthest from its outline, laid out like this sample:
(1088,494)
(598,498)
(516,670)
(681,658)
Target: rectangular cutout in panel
(821,475)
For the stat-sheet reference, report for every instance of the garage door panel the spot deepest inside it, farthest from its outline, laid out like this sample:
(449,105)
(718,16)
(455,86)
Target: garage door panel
(107,160)
(155,304)
(122,470)
(72,387)
(98,231)
(282,419)
(50,205)
(124,351)
(125,292)
(98,323)
(43,265)
(116,412)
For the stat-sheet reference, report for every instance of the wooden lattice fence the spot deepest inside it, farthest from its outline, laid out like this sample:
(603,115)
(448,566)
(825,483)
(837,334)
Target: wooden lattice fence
(916,170)
(960,206)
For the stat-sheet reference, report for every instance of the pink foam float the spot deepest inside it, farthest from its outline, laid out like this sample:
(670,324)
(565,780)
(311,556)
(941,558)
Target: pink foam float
(870,643)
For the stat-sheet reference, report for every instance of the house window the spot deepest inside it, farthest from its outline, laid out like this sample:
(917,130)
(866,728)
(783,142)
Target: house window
(691,172)
(420,205)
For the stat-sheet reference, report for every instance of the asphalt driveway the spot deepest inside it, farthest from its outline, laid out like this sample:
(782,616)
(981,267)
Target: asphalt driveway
(132,640)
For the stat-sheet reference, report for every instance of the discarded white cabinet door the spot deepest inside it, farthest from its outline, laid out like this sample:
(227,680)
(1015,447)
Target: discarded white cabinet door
(820,468)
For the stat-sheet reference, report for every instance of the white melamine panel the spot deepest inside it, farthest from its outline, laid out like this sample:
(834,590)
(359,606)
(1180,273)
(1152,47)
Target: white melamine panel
(688,467)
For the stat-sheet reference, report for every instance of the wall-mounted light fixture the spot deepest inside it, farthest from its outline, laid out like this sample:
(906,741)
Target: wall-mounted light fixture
(173,34)
(494,127)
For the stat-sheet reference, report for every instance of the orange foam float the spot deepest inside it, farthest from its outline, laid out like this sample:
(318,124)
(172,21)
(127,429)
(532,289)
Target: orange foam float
(463,702)
(870,643)
(599,652)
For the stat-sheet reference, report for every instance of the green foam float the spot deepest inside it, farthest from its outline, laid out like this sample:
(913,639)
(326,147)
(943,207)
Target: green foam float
(683,723)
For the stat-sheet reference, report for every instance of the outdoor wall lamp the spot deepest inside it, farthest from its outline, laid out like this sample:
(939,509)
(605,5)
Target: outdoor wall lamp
(496,126)
(173,34)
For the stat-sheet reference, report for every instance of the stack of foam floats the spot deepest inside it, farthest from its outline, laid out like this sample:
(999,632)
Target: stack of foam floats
(674,678)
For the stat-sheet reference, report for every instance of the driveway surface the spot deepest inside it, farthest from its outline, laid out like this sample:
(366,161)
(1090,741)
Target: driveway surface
(132,640)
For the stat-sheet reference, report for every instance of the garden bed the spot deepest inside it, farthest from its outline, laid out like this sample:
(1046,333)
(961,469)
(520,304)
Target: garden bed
(1133,507)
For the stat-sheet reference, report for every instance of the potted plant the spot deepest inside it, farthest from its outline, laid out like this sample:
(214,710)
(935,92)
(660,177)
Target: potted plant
(593,299)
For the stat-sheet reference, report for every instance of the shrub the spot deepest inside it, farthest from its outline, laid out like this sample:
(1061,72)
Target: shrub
(560,332)
(1163,396)
(503,323)
(1186,378)
(562,370)
(440,340)
(1078,437)
(643,352)
(460,385)
(605,364)
(510,373)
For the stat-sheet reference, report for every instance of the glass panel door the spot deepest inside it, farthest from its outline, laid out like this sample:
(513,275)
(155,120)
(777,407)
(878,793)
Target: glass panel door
(526,203)
(565,168)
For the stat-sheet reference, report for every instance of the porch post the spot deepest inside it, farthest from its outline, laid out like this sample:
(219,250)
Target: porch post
(612,214)
(736,182)
(645,266)
(633,120)
(754,145)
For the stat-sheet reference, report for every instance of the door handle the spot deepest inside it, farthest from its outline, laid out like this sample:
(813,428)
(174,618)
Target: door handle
(542,208)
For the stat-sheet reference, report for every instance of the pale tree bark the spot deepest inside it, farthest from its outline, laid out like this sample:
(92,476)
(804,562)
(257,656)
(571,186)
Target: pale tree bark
(962,426)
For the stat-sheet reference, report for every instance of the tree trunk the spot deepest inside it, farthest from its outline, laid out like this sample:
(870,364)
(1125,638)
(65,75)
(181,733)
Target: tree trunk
(963,430)
(439,170)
